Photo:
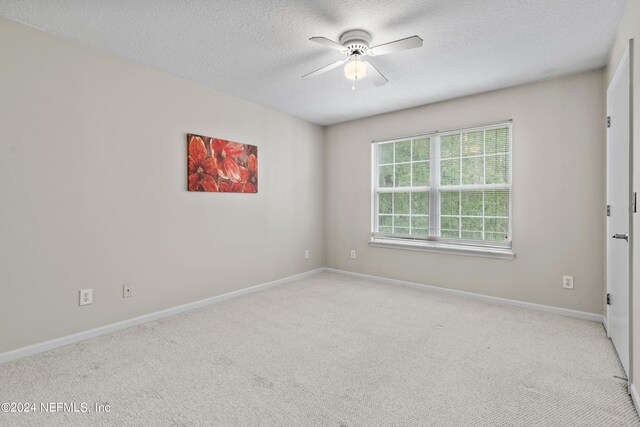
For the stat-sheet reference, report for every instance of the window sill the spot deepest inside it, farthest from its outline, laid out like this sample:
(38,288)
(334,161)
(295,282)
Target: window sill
(444,248)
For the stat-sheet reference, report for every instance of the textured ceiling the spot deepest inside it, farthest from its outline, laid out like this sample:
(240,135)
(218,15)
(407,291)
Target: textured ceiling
(258,49)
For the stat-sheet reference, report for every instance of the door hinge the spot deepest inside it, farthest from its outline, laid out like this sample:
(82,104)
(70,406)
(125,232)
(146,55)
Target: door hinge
(608,299)
(635,202)
(608,210)
(608,121)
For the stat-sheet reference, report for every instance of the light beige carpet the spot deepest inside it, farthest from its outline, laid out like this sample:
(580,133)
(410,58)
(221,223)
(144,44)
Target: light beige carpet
(332,350)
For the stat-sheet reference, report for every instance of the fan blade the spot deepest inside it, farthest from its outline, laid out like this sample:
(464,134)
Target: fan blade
(325,68)
(375,75)
(329,43)
(395,46)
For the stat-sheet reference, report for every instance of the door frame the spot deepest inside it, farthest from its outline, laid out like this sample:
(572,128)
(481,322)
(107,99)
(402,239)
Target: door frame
(627,57)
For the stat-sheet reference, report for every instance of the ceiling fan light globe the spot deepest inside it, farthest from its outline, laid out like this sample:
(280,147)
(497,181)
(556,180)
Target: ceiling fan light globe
(355,69)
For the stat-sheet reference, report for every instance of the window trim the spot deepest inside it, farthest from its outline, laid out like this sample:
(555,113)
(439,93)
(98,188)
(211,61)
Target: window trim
(491,249)
(439,246)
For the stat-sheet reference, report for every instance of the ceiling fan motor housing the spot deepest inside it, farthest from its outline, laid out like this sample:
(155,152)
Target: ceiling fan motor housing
(356,42)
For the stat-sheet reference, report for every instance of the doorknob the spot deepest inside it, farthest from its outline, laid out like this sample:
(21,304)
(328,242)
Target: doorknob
(622,236)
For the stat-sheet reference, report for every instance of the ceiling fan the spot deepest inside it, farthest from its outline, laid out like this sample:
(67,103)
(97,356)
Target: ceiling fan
(354,44)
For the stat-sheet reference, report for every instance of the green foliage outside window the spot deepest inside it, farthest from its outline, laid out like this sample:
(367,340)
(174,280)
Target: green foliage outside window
(469,163)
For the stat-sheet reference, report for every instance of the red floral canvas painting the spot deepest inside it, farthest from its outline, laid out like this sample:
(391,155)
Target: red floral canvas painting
(218,165)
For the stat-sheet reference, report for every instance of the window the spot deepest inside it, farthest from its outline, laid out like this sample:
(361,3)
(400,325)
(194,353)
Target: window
(445,190)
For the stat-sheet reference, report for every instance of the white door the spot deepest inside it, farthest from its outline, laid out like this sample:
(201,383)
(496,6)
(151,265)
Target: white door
(619,201)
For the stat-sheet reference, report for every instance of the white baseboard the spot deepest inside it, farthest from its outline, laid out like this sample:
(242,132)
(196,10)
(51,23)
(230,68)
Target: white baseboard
(91,333)
(538,307)
(80,336)
(635,398)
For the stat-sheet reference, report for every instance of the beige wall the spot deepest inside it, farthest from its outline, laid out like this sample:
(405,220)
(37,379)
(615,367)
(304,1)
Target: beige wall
(93,191)
(630,29)
(558,199)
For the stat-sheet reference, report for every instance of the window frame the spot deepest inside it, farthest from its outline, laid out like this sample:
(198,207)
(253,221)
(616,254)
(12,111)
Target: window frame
(433,242)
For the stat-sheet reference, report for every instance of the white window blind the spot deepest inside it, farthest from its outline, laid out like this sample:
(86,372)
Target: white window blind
(452,186)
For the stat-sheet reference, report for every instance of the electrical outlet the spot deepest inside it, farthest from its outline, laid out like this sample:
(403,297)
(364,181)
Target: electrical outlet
(567,282)
(86,296)
(306,254)
(127,290)
(353,254)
